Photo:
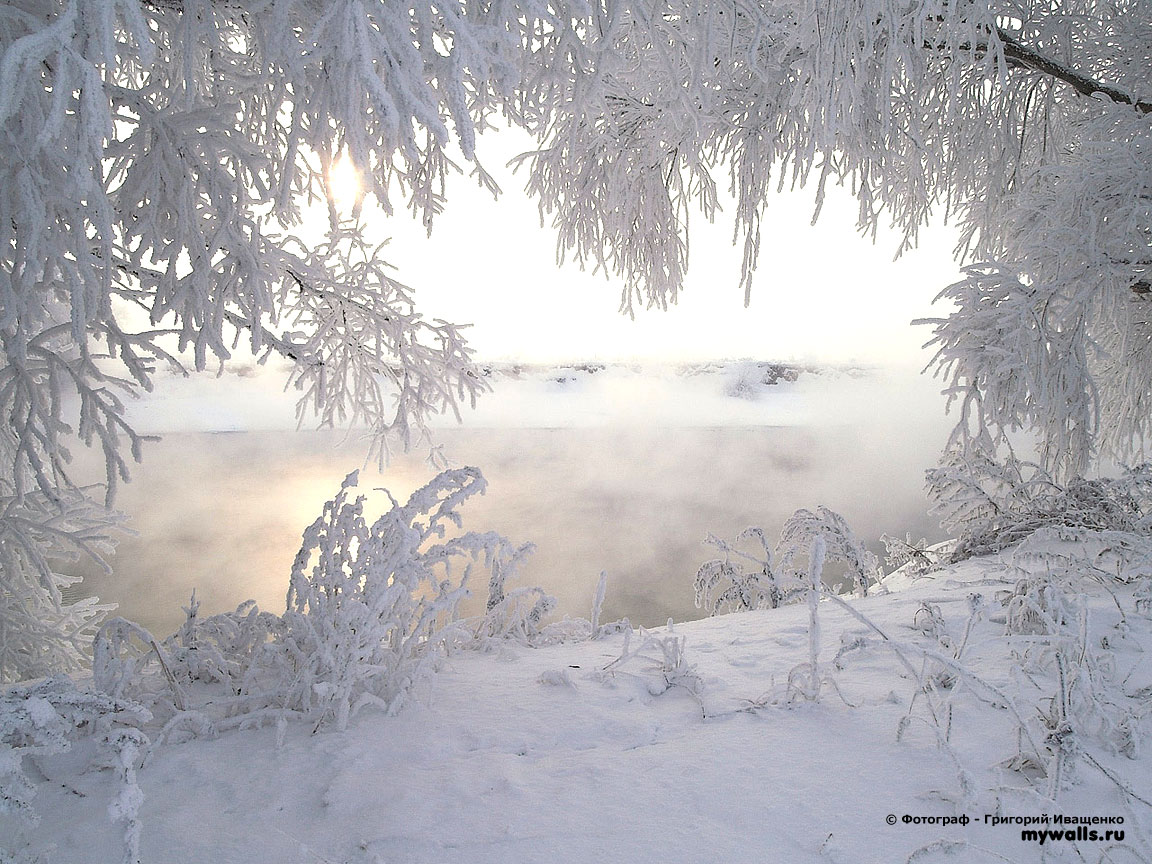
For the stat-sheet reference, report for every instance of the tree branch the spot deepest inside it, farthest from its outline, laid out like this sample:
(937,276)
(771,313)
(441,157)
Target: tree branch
(1021,55)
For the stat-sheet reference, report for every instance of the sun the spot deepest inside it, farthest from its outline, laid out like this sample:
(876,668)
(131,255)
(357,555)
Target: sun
(344,184)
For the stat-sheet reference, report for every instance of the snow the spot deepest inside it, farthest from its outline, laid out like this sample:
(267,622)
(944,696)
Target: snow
(578,395)
(566,753)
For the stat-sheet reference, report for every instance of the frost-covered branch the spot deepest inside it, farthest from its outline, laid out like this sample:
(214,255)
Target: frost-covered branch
(1019,54)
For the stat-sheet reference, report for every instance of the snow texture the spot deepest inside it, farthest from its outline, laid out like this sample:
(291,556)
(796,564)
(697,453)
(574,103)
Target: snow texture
(1011,686)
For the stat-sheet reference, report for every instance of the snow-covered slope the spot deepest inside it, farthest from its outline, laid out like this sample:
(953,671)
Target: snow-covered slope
(945,708)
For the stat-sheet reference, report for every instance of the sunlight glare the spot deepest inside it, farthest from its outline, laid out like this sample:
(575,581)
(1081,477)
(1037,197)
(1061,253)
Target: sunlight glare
(344,184)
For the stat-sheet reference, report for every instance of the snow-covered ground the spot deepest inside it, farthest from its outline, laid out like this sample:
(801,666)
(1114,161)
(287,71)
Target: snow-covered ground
(942,705)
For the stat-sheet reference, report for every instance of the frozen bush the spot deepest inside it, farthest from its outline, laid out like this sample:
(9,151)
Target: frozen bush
(41,631)
(992,504)
(41,718)
(763,579)
(740,579)
(800,532)
(369,604)
(369,608)
(505,561)
(519,616)
(222,649)
(1082,699)
(120,651)
(916,557)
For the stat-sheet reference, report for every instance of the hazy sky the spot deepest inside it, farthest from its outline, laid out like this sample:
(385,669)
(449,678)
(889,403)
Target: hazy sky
(821,292)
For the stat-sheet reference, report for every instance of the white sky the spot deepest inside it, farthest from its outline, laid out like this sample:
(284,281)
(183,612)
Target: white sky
(822,293)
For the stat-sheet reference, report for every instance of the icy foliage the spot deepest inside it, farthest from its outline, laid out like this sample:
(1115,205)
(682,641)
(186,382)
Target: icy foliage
(915,557)
(804,529)
(519,614)
(44,717)
(740,579)
(367,602)
(153,159)
(665,665)
(1028,125)
(1047,618)
(1075,709)
(763,579)
(807,683)
(1054,335)
(1076,701)
(371,606)
(1015,685)
(993,504)
(41,631)
(224,648)
(915,106)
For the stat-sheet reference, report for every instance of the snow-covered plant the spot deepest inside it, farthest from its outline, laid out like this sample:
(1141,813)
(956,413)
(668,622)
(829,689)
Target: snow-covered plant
(1037,605)
(673,667)
(801,531)
(226,648)
(44,717)
(41,630)
(598,604)
(916,557)
(1052,332)
(666,666)
(992,504)
(370,607)
(1027,124)
(765,579)
(930,621)
(740,579)
(504,564)
(1143,595)
(597,629)
(120,651)
(805,680)
(369,604)
(518,615)
(1047,624)
(126,743)
(153,162)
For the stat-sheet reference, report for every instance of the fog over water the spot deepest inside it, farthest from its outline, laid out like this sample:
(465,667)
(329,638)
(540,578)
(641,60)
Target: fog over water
(624,473)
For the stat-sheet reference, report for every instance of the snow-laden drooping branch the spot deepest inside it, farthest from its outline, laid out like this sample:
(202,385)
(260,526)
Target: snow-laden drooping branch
(1024,124)
(154,160)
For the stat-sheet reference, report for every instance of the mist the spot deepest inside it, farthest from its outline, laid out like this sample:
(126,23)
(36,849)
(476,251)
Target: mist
(626,473)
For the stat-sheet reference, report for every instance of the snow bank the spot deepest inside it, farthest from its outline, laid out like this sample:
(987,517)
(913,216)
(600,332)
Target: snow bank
(928,744)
